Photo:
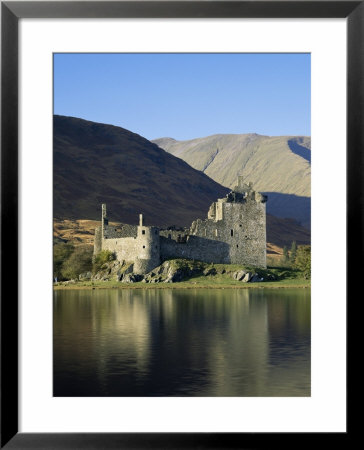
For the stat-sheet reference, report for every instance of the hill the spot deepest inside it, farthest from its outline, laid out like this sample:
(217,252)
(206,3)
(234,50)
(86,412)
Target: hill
(96,163)
(278,166)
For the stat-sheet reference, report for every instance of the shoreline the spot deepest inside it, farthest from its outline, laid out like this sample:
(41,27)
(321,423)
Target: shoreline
(183,285)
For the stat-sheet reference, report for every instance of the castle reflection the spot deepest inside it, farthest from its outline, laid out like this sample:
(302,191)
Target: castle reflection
(178,342)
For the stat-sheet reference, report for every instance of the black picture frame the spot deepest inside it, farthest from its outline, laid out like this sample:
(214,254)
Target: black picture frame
(11,12)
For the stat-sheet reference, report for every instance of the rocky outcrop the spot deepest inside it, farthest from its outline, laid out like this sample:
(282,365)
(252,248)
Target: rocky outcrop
(246,276)
(113,271)
(131,278)
(86,276)
(172,271)
(210,271)
(239,275)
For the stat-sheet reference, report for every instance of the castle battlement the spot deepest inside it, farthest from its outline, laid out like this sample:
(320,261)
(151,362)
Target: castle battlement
(234,232)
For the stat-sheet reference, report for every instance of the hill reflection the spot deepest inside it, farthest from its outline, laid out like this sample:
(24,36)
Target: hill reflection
(210,342)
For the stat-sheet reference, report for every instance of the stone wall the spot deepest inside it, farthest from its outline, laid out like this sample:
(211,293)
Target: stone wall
(120,231)
(195,247)
(242,227)
(176,235)
(142,247)
(124,248)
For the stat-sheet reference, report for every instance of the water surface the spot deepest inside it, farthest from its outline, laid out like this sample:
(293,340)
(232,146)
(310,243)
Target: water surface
(182,342)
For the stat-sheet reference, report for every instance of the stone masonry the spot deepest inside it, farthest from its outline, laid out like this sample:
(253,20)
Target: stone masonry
(233,233)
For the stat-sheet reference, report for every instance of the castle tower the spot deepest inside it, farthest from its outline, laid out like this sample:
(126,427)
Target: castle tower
(104,219)
(238,222)
(147,248)
(242,187)
(100,231)
(245,225)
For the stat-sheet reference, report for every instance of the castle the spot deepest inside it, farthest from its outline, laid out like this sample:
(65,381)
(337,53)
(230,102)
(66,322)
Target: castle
(234,233)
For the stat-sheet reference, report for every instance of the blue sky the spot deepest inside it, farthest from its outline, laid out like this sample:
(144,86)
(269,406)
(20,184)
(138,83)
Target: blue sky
(185,96)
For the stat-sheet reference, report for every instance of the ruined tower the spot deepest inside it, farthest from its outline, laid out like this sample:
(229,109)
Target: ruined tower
(147,252)
(239,221)
(100,231)
(104,219)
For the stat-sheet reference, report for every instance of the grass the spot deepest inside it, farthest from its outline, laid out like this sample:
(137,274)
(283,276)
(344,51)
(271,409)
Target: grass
(285,277)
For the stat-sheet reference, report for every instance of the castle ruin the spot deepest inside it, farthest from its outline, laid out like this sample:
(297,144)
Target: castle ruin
(233,233)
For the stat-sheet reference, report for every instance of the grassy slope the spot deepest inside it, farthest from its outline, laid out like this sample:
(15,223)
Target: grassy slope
(276,165)
(97,163)
(268,162)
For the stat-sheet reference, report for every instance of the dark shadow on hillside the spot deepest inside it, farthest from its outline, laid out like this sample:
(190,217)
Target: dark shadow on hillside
(300,150)
(282,232)
(290,206)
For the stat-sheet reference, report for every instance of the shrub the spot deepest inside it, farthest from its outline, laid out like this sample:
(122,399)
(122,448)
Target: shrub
(101,258)
(61,252)
(303,260)
(79,261)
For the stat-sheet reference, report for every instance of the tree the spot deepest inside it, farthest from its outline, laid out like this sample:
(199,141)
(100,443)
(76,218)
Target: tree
(293,252)
(303,260)
(285,254)
(61,252)
(79,262)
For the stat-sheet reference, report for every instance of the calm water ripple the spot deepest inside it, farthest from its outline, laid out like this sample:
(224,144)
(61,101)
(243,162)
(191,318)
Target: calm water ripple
(176,342)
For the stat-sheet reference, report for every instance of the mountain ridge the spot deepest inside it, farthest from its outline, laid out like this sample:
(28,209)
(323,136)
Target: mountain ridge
(275,164)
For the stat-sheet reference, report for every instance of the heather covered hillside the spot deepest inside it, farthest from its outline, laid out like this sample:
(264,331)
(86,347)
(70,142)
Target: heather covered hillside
(96,163)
